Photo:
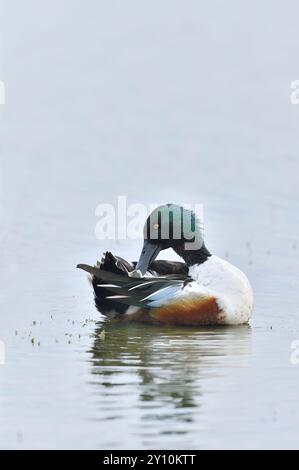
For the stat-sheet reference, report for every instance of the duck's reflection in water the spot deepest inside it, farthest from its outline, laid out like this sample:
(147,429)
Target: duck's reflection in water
(155,377)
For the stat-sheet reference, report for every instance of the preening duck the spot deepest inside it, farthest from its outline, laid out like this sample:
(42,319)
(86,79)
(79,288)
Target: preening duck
(202,290)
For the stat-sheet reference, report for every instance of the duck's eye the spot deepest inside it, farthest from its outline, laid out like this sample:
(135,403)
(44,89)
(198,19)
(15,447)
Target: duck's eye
(156,226)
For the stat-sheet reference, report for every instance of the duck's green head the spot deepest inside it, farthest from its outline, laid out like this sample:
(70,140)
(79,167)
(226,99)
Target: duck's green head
(170,226)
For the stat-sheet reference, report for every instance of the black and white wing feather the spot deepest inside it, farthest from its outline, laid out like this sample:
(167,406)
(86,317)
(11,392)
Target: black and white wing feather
(115,290)
(145,292)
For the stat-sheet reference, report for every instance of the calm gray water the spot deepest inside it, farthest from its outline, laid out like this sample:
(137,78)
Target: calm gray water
(159,101)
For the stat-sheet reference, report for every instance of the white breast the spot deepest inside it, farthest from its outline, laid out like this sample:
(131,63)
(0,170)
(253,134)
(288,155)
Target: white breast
(228,285)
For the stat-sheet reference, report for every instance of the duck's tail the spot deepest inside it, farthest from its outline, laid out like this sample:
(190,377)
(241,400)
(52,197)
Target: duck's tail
(112,264)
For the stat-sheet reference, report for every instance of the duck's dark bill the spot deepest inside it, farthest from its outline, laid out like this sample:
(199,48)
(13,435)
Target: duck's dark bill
(149,253)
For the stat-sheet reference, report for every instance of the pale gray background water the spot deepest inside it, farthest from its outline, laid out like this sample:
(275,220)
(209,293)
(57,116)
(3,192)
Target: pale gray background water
(159,101)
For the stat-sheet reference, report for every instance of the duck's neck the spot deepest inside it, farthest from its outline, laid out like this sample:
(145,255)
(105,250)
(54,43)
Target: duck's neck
(192,257)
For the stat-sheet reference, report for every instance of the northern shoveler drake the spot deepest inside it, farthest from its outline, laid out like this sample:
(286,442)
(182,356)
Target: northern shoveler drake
(202,290)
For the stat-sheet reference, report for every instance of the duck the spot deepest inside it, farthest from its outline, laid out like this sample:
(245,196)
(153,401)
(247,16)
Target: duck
(201,290)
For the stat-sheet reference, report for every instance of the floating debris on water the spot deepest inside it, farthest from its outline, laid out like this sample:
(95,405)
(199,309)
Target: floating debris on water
(102,335)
